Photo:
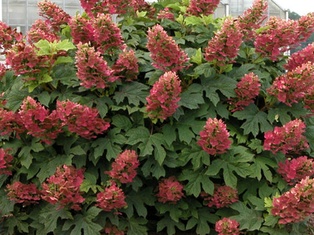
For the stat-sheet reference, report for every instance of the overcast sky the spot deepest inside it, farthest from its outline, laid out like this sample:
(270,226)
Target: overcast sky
(302,7)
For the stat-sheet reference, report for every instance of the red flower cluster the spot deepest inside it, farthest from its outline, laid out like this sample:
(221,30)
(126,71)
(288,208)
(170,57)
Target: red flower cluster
(38,122)
(170,190)
(23,60)
(296,204)
(166,54)
(276,37)
(124,167)
(164,97)
(41,30)
(309,101)
(111,229)
(88,5)
(223,196)
(82,30)
(224,46)
(25,194)
(8,36)
(202,7)
(296,169)
(126,66)
(287,138)
(10,122)
(63,187)
(305,27)
(81,119)
(301,57)
(214,138)
(252,18)
(247,89)
(111,198)
(107,34)
(293,86)
(227,226)
(165,14)
(54,14)
(5,162)
(92,69)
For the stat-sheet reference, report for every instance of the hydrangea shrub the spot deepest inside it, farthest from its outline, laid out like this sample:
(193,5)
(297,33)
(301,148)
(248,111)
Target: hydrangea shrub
(165,121)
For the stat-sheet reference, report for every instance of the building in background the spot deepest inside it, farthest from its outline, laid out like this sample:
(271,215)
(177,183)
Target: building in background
(237,7)
(21,14)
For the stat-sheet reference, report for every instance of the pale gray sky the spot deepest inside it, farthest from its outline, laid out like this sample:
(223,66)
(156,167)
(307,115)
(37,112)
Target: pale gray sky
(302,7)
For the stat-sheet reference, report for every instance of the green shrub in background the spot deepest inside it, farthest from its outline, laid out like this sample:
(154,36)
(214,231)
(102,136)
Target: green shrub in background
(169,121)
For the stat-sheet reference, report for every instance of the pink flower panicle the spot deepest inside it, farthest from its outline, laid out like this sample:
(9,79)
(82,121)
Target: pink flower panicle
(63,188)
(164,96)
(25,194)
(118,6)
(214,138)
(170,190)
(295,205)
(112,198)
(23,60)
(41,30)
(295,85)
(252,18)
(92,69)
(124,167)
(107,34)
(165,14)
(301,57)
(227,226)
(54,14)
(88,5)
(305,27)
(10,123)
(276,38)
(38,121)
(286,139)
(294,170)
(165,53)
(224,46)
(202,7)
(223,196)
(246,91)
(8,36)
(5,162)
(127,65)
(82,30)
(81,119)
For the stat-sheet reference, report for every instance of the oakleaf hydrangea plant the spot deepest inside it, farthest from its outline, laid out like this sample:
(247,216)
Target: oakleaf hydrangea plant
(156,118)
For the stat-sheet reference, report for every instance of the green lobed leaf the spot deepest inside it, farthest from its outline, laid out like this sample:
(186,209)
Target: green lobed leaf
(50,215)
(255,120)
(137,200)
(65,45)
(192,97)
(263,165)
(18,223)
(205,218)
(136,226)
(198,181)
(83,223)
(223,84)
(134,92)
(248,218)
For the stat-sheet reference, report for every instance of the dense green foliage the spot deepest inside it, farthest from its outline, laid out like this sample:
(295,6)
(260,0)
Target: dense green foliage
(165,147)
